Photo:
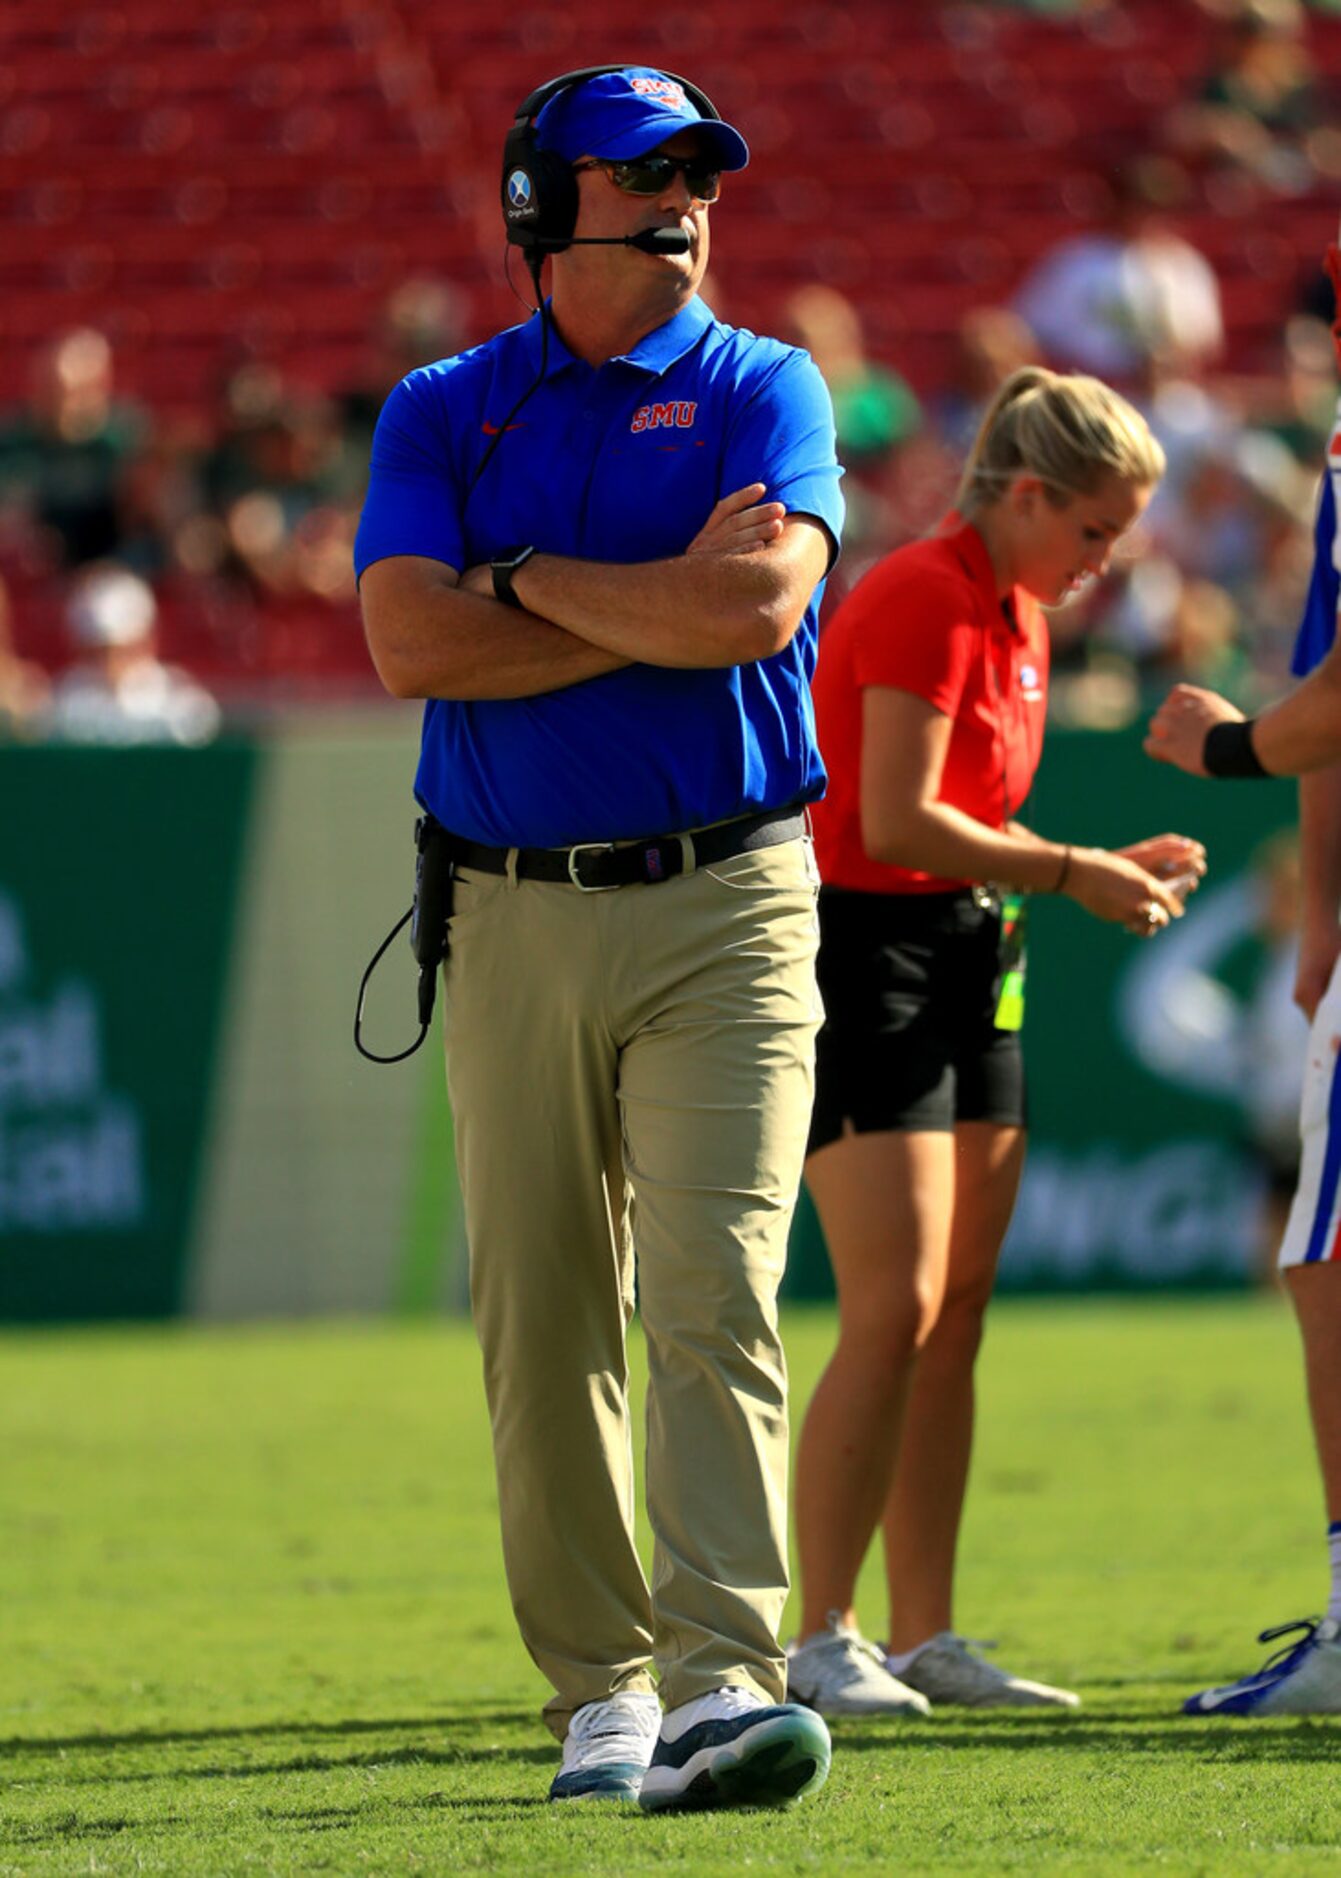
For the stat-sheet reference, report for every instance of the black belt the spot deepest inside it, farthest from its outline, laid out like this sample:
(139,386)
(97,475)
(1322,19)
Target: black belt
(594,865)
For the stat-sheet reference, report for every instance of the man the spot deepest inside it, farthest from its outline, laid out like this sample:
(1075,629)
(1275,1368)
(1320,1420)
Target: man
(1300,736)
(566,551)
(119,691)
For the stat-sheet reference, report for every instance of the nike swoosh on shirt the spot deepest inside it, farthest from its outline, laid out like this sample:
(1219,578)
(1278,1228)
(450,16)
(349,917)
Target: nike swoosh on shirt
(493,430)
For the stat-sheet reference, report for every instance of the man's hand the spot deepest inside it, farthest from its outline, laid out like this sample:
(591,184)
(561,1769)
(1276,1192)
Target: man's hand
(739,523)
(1178,729)
(479,580)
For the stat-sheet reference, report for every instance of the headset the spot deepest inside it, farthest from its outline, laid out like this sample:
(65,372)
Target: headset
(539,189)
(540,210)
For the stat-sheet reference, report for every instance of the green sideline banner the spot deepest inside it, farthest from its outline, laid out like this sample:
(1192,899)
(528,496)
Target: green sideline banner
(186,1128)
(118,886)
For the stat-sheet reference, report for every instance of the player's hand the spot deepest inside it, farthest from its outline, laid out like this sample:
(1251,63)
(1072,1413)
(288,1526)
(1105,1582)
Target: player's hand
(478,580)
(739,523)
(1319,949)
(1114,888)
(1177,860)
(1177,732)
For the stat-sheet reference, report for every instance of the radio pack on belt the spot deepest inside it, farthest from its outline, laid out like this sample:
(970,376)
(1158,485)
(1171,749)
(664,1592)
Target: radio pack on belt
(428,918)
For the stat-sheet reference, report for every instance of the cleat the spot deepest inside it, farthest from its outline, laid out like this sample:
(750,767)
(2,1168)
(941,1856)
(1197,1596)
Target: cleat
(837,1672)
(1302,1678)
(946,1670)
(730,1748)
(607,1748)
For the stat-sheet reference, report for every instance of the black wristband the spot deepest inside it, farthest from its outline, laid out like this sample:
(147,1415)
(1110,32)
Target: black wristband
(1228,751)
(504,567)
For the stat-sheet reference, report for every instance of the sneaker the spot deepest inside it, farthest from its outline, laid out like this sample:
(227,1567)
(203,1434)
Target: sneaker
(839,1673)
(947,1670)
(1302,1678)
(607,1748)
(731,1748)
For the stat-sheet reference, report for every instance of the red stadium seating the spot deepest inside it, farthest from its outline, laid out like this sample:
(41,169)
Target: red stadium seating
(249,182)
(154,149)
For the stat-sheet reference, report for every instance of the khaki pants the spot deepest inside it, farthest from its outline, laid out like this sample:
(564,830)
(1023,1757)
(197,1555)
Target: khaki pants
(631,1080)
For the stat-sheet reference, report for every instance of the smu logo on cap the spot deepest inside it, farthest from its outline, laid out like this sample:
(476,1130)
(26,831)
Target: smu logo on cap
(678,414)
(664,89)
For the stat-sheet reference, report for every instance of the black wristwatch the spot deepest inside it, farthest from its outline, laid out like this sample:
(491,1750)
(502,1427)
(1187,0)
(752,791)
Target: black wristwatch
(504,568)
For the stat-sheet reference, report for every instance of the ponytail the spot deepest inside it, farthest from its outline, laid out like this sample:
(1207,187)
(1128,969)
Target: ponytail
(1069,430)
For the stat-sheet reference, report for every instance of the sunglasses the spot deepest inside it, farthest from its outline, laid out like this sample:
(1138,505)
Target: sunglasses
(652,175)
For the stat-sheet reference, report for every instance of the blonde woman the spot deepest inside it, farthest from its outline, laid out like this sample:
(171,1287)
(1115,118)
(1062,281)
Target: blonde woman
(930,697)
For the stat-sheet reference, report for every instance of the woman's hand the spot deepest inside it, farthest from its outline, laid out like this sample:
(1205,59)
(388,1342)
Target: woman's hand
(1113,887)
(1175,859)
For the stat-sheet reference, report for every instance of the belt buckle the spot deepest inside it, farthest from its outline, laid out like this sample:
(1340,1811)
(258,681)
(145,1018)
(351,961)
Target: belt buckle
(589,847)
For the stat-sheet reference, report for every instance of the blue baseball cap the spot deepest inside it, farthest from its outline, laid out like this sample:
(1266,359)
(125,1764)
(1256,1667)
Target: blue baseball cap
(627,113)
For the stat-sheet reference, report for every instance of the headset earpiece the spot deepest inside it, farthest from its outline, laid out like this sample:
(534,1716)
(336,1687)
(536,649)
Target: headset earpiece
(539,189)
(539,194)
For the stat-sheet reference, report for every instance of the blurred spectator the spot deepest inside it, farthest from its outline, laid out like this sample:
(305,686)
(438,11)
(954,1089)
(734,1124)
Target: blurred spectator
(876,417)
(63,459)
(423,320)
(119,692)
(1261,112)
(276,518)
(1297,403)
(1132,296)
(874,410)
(991,342)
(24,686)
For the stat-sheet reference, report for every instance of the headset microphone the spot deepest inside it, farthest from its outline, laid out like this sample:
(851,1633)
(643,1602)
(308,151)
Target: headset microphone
(650,240)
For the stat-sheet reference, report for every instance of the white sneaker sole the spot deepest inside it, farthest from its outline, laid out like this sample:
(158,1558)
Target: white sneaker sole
(773,1762)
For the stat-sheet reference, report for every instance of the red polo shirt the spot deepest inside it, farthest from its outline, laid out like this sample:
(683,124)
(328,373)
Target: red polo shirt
(928,619)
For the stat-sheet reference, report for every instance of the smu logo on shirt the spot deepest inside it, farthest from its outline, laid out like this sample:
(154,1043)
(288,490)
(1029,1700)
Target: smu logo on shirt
(679,414)
(1030,686)
(664,89)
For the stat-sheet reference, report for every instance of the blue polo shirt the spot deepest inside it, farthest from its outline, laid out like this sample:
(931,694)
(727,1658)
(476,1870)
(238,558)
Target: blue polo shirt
(621,462)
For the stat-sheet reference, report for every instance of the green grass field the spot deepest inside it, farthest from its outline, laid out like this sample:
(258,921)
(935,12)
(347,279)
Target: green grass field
(252,1616)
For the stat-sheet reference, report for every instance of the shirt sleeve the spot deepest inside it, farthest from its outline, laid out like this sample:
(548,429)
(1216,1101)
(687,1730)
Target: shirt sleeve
(783,437)
(916,632)
(414,504)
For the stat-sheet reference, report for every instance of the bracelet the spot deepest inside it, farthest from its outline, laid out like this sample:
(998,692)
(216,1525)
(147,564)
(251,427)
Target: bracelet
(1065,874)
(1228,751)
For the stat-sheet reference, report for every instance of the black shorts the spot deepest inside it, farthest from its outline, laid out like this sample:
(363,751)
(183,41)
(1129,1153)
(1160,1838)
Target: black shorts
(910,984)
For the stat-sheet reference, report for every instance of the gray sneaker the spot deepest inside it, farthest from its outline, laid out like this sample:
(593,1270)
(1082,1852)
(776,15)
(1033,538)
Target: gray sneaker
(947,1670)
(837,1672)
